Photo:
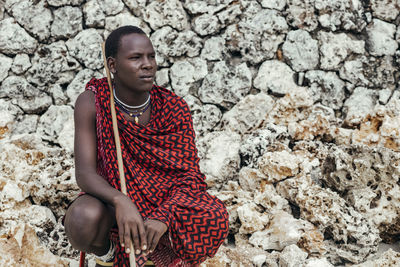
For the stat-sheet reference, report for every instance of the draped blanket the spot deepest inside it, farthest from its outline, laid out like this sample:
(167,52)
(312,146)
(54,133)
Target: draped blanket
(162,176)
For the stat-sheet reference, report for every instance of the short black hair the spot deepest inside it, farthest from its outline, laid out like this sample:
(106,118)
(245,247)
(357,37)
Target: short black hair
(114,39)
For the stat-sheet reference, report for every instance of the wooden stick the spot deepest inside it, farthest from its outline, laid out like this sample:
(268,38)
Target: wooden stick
(132,259)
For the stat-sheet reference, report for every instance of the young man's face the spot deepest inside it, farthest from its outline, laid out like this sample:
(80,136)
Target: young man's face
(135,63)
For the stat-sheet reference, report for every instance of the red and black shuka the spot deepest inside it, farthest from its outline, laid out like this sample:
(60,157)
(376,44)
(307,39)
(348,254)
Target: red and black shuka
(163,177)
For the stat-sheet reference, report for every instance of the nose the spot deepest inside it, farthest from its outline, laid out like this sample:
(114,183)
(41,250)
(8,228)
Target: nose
(147,62)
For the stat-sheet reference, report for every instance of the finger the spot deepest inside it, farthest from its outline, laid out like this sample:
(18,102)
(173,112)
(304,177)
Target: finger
(135,236)
(142,235)
(127,238)
(154,241)
(150,236)
(121,234)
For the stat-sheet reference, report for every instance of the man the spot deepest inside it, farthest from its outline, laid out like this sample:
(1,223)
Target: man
(168,215)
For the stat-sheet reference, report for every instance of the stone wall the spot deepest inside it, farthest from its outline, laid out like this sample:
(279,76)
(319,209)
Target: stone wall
(296,106)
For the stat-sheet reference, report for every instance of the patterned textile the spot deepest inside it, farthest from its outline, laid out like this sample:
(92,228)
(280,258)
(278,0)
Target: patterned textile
(162,176)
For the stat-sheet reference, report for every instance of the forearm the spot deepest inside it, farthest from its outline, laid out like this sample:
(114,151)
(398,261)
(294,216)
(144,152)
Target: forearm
(97,186)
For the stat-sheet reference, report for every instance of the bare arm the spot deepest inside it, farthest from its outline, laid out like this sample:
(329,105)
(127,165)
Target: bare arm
(129,220)
(85,148)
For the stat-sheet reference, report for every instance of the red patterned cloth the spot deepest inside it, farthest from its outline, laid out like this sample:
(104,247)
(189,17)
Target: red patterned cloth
(162,176)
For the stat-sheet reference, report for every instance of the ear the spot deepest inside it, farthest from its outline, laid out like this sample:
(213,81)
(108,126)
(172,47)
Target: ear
(111,65)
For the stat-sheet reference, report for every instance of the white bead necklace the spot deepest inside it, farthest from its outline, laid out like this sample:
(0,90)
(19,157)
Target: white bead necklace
(131,107)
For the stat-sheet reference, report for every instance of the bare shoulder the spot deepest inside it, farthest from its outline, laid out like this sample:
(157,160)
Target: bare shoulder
(85,103)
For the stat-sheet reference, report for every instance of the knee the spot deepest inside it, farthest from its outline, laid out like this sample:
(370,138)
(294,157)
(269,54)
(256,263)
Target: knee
(81,225)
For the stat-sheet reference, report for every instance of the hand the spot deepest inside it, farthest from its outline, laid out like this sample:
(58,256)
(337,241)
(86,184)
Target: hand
(154,229)
(130,225)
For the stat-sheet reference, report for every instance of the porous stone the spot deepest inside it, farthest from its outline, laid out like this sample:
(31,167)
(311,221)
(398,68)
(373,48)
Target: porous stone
(301,14)
(93,14)
(369,176)
(20,64)
(162,77)
(5,66)
(225,85)
(206,24)
(251,218)
(370,72)
(86,48)
(14,39)
(354,237)
(136,6)
(257,37)
(292,256)
(326,88)
(214,49)
(186,74)
(77,86)
(387,259)
(122,19)
(269,198)
(320,124)
(8,118)
(275,4)
(293,107)
(67,22)
(111,7)
(301,50)
(44,172)
(381,38)
(207,6)
(279,165)
(257,142)
(65,136)
(26,124)
(170,43)
(282,230)
(385,9)
(58,3)
(359,105)
(205,117)
(220,157)
(352,71)
(2,9)
(33,16)
(275,76)
(335,48)
(52,64)
(21,247)
(248,113)
(29,98)
(315,262)
(230,14)
(57,93)
(341,14)
(159,14)
(53,121)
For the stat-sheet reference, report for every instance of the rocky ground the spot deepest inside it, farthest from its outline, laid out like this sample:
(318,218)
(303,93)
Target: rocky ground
(296,106)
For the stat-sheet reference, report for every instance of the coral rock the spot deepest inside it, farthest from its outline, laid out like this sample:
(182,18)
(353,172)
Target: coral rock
(67,22)
(225,86)
(381,38)
(301,50)
(14,39)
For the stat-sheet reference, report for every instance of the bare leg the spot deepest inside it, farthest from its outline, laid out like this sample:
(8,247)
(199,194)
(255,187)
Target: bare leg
(87,224)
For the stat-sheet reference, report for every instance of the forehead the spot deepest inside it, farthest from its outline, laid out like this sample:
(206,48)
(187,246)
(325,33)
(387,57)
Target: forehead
(135,42)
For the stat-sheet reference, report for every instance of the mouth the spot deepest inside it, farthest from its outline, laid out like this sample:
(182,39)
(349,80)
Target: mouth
(146,78)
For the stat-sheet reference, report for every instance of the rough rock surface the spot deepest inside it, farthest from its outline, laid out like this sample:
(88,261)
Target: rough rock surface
(295,105)
(33,16)
(86,48)
(67,22)
(225,85)
(14,39)
(301,50)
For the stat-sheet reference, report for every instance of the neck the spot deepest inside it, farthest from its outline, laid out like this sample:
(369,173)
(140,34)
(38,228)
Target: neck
(129,96)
